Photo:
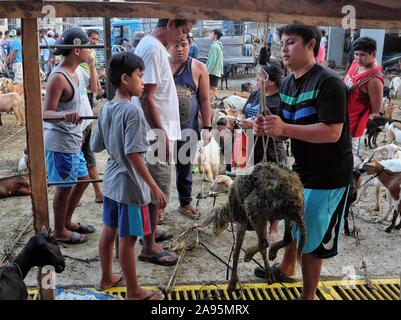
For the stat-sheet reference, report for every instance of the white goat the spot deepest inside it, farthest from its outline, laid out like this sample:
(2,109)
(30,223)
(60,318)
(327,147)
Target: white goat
(209,160)
(395,87)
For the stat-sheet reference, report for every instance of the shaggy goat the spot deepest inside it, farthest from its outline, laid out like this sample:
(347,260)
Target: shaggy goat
(268,193)
(41,250)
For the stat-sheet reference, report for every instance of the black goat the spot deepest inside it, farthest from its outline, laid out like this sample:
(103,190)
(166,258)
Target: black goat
(353,194)
(41,250)
(227,70)
(386,93)
(373,128)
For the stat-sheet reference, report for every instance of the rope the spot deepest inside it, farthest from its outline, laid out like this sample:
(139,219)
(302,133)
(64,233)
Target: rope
(12,135)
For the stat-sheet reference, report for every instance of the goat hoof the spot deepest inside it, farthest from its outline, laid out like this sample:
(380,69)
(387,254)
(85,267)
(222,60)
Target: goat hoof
(388,230)
(272,255)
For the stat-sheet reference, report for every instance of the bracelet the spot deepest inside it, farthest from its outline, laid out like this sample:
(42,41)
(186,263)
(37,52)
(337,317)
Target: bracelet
(208,128)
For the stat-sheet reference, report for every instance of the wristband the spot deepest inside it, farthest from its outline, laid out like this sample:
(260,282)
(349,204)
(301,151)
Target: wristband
(208,128)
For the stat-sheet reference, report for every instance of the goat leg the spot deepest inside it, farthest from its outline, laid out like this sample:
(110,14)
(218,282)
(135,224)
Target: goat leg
(287,238)
(260,229)
(238,244)
(395,216)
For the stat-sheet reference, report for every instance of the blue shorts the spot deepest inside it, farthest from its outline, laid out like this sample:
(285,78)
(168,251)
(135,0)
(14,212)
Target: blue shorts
(324,217)
(64,167)
(131,220)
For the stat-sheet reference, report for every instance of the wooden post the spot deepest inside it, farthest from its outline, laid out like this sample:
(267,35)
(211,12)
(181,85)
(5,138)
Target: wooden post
(34,134)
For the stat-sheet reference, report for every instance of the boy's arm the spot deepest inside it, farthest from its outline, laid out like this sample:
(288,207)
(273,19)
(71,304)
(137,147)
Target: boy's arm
(138,163)
(97,142)
(375,92)
(93,74)
(55,87)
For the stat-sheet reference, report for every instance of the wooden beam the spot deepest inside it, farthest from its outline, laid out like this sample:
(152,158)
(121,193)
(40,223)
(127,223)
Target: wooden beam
(34,135)
(328,12)
(19,8)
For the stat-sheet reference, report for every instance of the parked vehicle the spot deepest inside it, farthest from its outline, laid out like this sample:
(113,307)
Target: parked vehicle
(391,64)
(126,32)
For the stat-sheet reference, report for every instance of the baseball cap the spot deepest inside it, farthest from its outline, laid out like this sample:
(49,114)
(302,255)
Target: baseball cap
(50,33)
(12,33)
(74,36)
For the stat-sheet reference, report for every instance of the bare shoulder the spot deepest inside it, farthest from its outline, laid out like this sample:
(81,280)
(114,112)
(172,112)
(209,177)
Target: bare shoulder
(57,80)
(200,67)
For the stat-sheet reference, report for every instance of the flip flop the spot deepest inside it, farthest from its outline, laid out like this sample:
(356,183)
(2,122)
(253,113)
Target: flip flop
(156,295)
(162,218)
(84,228)
(190,213)
(278,275)
(155,259)
(119,282)
(164,235)
(75,238)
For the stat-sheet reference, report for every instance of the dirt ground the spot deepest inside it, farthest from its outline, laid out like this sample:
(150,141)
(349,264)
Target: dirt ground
(380,251)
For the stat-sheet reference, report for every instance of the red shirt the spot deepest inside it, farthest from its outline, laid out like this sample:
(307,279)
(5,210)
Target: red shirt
(359,107)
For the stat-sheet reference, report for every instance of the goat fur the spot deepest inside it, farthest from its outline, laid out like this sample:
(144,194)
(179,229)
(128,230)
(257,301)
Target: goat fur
(267,193)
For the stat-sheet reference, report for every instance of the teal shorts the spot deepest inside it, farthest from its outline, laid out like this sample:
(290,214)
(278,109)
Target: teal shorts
(324,217)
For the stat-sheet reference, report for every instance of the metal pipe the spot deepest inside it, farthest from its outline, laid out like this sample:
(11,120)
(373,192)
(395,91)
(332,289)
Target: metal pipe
(62,118)
(73,182)
(72,46)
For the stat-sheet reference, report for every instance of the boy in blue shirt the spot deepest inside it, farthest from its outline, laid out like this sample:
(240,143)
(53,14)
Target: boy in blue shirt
(127,185)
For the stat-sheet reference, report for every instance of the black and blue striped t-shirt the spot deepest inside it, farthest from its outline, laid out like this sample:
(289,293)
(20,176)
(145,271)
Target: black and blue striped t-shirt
(318,96)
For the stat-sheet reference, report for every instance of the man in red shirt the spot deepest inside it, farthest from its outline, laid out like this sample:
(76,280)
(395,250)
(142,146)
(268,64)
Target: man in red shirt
(364,80)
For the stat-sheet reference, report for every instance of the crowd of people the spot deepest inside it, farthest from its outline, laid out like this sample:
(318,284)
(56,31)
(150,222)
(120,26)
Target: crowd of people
(11,53)
(161,91)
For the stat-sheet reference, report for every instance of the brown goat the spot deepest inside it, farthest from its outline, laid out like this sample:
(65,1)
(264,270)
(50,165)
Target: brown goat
(15,186)
(391,181)
(12,102)
(266,194)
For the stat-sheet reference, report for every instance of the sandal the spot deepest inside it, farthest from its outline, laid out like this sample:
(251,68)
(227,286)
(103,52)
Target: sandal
(84,228)
(156,259)
(75,238)
(118,283)
(156,295)
(277,274)
(189,212)
(164,235)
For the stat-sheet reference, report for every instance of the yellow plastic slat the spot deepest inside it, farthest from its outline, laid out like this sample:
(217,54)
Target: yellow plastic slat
(367,293)
(382,292)
(386,288)
(281,293)
(266,294)
(249,292)
(344,293)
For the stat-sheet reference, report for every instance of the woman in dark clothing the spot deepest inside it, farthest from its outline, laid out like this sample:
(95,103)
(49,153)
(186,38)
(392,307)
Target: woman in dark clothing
(252,108)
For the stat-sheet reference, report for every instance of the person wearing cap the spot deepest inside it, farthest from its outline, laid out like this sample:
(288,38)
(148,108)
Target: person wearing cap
(63,138)
(251,110)
(193,49)
(365,81)
(15,56)
(214,64)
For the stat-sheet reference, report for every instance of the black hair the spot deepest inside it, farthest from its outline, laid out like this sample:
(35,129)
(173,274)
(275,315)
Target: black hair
(92,31)
(177,22)
(365,44)
(1,33)
(123,62)
(323,32)
(275,71)
(304,31)
(18,32)
(218,33)
(6,33)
